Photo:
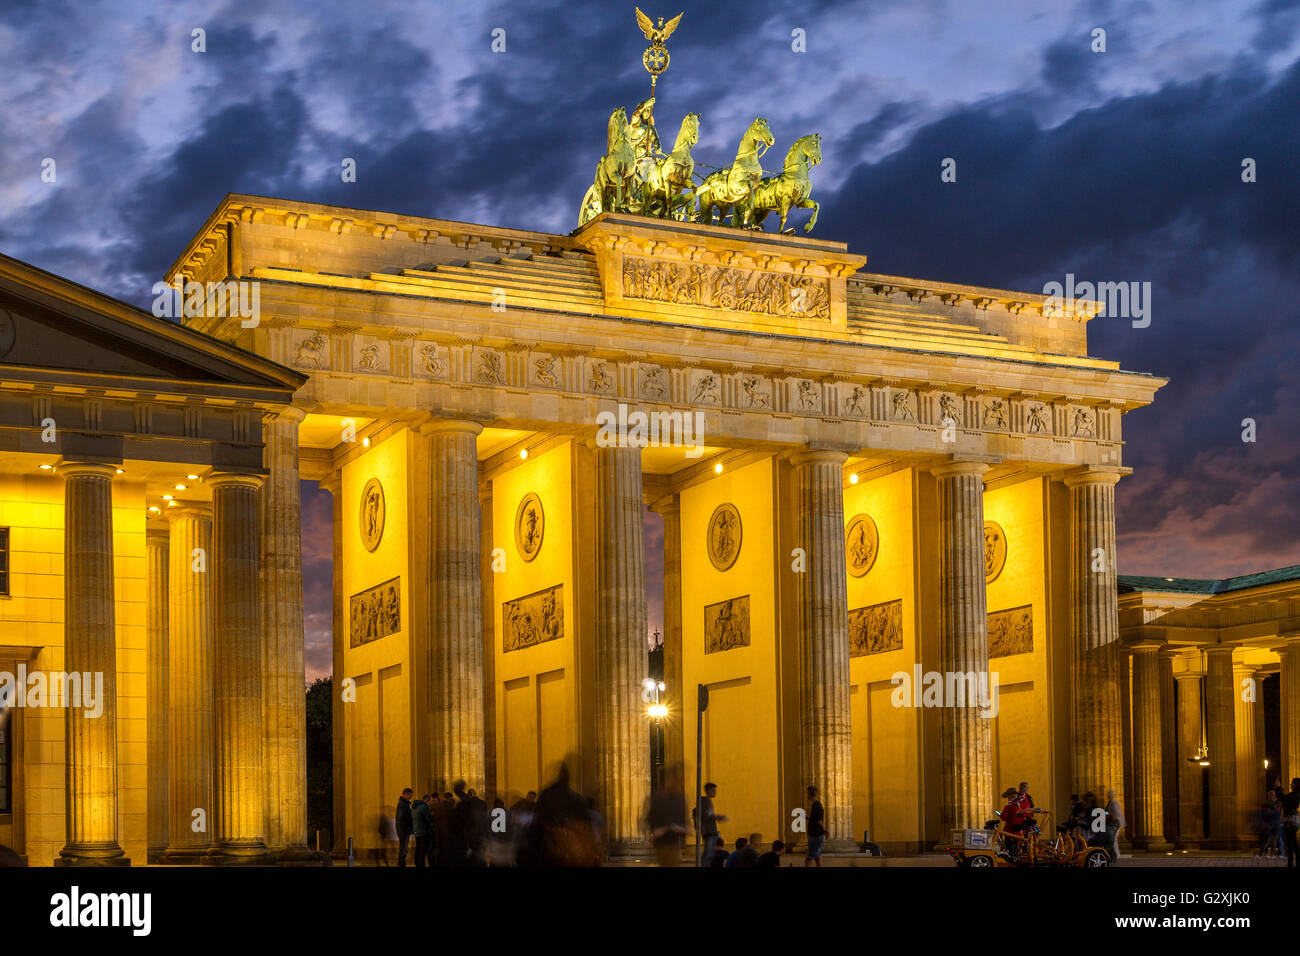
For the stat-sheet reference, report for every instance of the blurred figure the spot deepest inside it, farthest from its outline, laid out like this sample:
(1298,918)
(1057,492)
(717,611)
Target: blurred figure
(501,836)
(561,832)
(666,818)
(734,859)
(716,858)
(471,825)
(772,857)
(405,826)
(816,828)
(449,852)
(707,831)
(1114,822)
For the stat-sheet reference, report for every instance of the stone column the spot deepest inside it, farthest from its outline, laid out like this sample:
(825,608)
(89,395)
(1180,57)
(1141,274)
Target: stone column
(1245,694)
(1169,756)
(239,834)
(1290,699)
(89,642)
(284,701)
(191,741)
(825,746)
(156,610)
(965,738)
(674,748)
(455,645)
(1191,806)
(1148,780)
(1220,733)
(622,751)
(1261,749)
(1094,617)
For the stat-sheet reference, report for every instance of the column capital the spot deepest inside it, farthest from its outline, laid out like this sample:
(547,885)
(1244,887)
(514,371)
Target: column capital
(667,506)
(333,484)
(236,479)
(188,509)
(439,426)
(88,469)
(156,528)
(1188,675)
(289,413)
(1220,650)
(1094,475)
(959,466)
(1146,645)
(819,456)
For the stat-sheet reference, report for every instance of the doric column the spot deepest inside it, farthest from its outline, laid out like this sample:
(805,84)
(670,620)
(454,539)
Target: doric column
(1220,733)
(1191,805)
(1245,696)
(1168,743)
(674,751)
(1261,749)
(966,797)
(284,701)
(156,610)
(191,741)
(89,648)
(623,770)
(338,713)
(455,605)
(1148,780)
(825,746)
(239,834)
(1094,617)
(1290,695)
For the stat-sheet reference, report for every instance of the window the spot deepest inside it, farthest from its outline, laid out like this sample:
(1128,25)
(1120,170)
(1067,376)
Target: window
(4,562)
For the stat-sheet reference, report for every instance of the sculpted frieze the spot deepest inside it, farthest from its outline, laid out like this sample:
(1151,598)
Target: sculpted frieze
(723,287)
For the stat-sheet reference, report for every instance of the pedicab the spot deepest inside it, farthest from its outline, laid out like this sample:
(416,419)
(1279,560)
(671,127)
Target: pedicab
(997,846)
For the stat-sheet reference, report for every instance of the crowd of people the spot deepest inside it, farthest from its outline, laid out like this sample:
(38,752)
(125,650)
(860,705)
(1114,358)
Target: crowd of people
(561,827)
(1279,819)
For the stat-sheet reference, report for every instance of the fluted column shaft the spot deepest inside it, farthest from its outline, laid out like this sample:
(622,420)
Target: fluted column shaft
(826,751)
(1248,761)
(1148,778)
(623,771)
(191,740)
(456,606)
(284,702)
(672,697)
(89,649)
(1191,802)
(1290,768)
(965,740)
(156,609)
(1220,732)
(1094,616)
(237,669)
(1170,764)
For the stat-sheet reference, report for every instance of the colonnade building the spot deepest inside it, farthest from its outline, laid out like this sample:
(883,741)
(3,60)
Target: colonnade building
(861,478)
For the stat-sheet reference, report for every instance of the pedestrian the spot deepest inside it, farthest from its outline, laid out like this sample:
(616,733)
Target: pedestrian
(471,822)
(708,829)
(749,852)
(717,857)
(733,859)
(501,837)
(1291,821)
(422,827)
(405,825)
(561,833)
(666,818)
(1270,819)
(1114,822)
(772,857)
(816,828)
(449,850)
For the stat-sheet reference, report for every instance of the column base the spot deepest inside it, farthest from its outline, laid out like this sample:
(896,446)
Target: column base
(102,855)
(154,854)
(625,850)
(1153,844)
(840,847)
(184,855)
(298,856)
(239,854)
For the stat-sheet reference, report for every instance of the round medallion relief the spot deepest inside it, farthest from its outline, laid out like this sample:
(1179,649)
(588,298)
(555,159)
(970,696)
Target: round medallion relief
(8,332)
(724,536)
(372,514)
(995,550)
(530,526)
(861,545)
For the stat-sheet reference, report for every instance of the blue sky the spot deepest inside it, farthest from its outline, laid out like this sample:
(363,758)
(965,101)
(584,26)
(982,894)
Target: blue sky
(1123,165)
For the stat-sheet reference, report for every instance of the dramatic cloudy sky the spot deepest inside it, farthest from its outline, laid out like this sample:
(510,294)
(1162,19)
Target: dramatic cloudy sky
(1119,166)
